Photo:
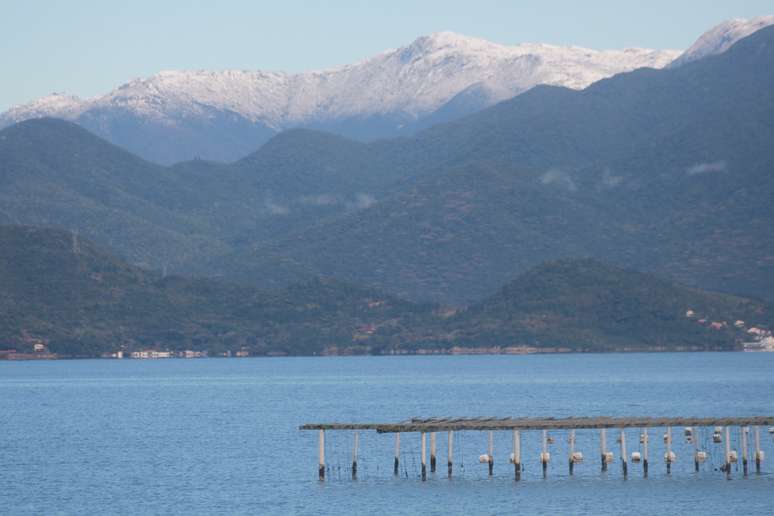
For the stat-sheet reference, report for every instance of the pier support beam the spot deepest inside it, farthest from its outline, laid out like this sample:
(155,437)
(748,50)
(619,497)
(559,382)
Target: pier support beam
(432,452)
(669,450)
(603,448)
(516,455)
(321,470)
(645,438)
(695,439)
(491,453)
(624,465)
(544,455)
(758,454)
(424,463)
(572,450)
(450,453)
(745,431)
(396,463)
(727,465)
(354,455)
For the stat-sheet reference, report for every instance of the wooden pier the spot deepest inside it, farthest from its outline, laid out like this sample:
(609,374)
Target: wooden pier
(433,425)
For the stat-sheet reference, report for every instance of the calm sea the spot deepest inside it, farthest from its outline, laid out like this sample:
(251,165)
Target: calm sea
(221,435)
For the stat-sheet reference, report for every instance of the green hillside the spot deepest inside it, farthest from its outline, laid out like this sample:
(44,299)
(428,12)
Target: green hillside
(82,301)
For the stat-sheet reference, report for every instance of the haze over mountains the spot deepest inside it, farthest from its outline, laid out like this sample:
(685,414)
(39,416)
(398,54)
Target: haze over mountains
(667,171)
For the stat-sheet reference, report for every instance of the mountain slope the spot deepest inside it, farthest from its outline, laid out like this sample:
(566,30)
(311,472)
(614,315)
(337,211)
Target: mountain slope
(721,37)
(639,170)
(179,115)
(83,301)
(587,305)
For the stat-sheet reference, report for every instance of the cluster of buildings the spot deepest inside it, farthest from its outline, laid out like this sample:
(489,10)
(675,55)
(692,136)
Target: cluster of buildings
(761,339)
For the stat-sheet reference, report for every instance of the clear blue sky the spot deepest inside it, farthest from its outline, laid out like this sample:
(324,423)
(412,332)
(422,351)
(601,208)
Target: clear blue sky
(87,47)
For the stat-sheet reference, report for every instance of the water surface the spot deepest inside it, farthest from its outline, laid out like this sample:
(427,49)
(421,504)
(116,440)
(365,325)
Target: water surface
(221,436)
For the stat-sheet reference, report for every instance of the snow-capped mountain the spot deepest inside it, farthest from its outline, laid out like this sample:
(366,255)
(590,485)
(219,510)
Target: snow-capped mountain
(720,38)
(373,98)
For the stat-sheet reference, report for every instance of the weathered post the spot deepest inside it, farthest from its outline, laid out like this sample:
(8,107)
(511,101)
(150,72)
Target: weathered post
(603,448)
(491,453)
(645,452)
(424,464)
(516,455)
(744,430)
(321,470)
(695,452)
(758,452)
(450,455)
(354,455)
(432,452)
(669,450)
(727,465)
(623,453)
(396,463)
(572,450)
(544,455)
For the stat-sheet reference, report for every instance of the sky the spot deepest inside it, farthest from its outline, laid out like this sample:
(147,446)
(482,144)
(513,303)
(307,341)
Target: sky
(88,47)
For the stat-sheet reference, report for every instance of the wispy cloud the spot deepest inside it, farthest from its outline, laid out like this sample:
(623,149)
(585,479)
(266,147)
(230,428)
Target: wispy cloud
(323,199)
(609,180)
(275,208)
(557,177)
(703,168)
(364,200)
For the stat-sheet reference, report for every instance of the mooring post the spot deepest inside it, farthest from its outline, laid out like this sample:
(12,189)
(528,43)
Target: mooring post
(744,430)
(603,448)
(758,453)
(572,450)
(396,463)
(516,455)
(424,463)
(669,450)
(321,470)
(450,453)
(727,465)
(354,455)
(623,453)
(432,452)
(544,454)
(491,453)
(645,452)
(695,440)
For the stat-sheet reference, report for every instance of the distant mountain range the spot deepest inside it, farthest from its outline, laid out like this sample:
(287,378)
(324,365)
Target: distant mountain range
(224,115)
(61,291)
(667,171)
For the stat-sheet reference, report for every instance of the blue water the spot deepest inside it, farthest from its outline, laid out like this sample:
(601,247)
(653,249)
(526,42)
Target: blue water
(221,435)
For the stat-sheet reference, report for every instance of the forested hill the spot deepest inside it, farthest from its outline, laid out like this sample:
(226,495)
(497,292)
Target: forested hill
(58,289)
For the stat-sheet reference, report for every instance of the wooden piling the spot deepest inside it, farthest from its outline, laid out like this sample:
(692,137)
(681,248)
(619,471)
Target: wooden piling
(354,455)
(432,452)
(669,450)
(321,470)
(744,431)
(544,456)
(396,463)
(623,454)
(645,452)
(450,453)
(757,450)
(491,453)
(572,451)
(517,455)
(694,438)
(727,465)
(424,463)
(603,448)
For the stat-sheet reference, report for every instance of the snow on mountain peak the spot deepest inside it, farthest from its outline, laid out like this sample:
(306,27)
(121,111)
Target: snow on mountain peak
(721,37)
(409,82)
